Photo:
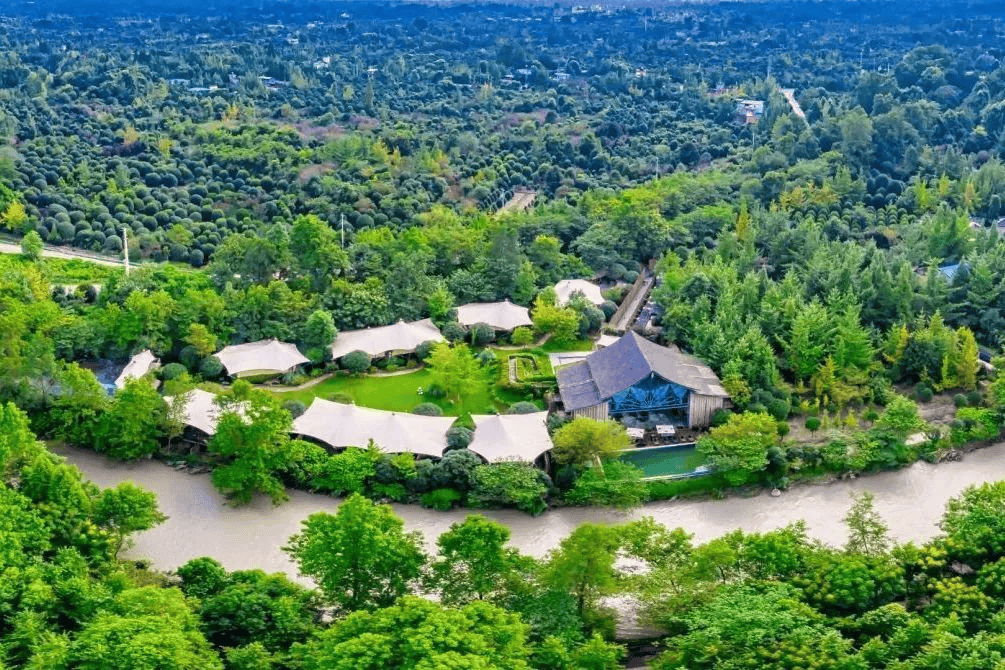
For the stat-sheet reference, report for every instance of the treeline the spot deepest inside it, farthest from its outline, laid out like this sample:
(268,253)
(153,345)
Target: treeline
(745,600)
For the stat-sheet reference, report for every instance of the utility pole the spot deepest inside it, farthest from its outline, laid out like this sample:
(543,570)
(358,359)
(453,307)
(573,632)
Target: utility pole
(125,248)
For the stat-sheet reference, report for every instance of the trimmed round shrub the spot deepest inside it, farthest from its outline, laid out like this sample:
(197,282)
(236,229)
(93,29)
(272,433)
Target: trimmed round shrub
(522,336)
(459,437)
(974,398)
(608,308)
(356,362)
(923,393)
(172,371)
(960,400)
(782,428)
(522,407)
(427,409)
(211,367)
(294,407)
(189,357)
(486,357)
(812,424)
(756,408)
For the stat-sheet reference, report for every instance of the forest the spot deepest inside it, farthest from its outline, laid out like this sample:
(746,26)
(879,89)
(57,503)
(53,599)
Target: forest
(819,190)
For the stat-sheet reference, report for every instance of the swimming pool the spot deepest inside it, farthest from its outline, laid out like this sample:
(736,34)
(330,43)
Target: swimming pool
(668,460)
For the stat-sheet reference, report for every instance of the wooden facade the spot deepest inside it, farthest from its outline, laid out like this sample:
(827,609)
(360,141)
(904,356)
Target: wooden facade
(599,412)
(701,408)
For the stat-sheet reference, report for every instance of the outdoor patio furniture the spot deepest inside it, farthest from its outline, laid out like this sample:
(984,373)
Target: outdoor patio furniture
(666,430)
(635,433)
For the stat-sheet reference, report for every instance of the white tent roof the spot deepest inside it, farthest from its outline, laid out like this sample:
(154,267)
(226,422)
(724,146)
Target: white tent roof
(339,425)
(138,365)
(511,437)
(264,356)
(565,288)
(500,315)
(201,412)
(399,336)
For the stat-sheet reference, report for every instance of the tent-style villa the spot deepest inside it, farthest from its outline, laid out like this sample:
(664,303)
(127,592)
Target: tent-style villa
(201,414)
(260,358)
(565,289)
(511,437)
(499,315)
(635,377)
(338,426)
(138,365)
(401,337)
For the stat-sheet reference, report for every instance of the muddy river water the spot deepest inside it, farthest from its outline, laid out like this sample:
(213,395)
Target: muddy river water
(201,524)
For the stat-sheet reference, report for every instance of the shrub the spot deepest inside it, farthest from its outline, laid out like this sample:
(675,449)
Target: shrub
(783,428)
(512,484)
(720,417)
(424,349)
(427,409)
(349,471)
(923,393)
(974,398)
(341,397)
(172,371)
(522,336)
(812,424)
(294,407)
(667,489)
(870,414)
(619,485)
(522,407)
(356,362)
(779,409)
(459,437)
(486,357)
(756,408)
(482,334)
(453,331)
(455,470)
(441,499)
(959,400)
(608,308)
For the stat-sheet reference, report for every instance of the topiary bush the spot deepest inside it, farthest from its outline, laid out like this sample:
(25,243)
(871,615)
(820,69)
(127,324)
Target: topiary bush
(783,428)
(211,367)
(427,409)
(459,437)
(172,371)
(960,400)
(974,398)
(453,331)
(779,409)
(356,362)
(523,407)
(812,424)
(923,393)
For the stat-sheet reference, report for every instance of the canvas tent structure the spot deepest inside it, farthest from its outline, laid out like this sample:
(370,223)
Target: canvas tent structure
(499,315)
(260,358)
(401,337)
(338,426)
(138,365)
(565,289)
(637,377)
(511,437)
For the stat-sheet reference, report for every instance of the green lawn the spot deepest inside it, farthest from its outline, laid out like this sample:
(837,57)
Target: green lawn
(400,393)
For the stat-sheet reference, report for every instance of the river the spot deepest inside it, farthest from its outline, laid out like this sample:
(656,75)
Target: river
(910,500)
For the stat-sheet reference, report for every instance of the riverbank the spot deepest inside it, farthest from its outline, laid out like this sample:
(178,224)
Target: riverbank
(910,500)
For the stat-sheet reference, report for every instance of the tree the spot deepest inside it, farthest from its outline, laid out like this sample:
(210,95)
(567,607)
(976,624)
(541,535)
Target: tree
(561,322)
(199,337)
(474,562)
(583,564)
(416,633)
(360,557)
(31,246)
(867,534)
(252,438)
(133,425)
(454,369)
(901,417)
(316,252)
(126,509)
(144,629)
(584,440)
(739,448)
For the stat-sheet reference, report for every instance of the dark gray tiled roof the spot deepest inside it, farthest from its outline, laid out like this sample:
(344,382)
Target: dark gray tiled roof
(625,363)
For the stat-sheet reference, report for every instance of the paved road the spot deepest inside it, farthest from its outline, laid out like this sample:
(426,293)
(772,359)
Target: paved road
(64,253)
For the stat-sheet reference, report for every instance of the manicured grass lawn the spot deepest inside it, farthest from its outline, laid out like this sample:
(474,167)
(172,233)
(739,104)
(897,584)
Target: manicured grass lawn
(400,393)
(552,347)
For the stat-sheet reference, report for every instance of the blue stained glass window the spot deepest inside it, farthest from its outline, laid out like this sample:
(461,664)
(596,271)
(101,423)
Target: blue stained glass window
(651,394)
